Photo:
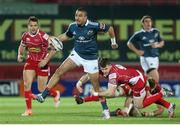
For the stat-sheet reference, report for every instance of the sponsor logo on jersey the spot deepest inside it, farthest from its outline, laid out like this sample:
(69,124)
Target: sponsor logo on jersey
(144,38)
(89,32)
(33,49)
(151,41)
(81,38)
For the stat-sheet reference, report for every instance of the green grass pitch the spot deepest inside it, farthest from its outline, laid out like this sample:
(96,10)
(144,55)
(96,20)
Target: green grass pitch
(71,113)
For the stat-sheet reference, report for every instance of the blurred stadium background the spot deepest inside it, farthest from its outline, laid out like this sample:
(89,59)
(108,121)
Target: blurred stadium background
(55,15)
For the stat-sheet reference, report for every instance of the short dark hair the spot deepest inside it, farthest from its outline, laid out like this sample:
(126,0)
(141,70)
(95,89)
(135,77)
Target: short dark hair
(83,10)
(33,18)
(103,62)
(145,17)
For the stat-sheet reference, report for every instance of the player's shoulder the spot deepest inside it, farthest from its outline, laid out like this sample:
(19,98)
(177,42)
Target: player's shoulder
(72,24)
(137,33)
(92,23)
(155,30)
(112,75)
(41,32)
(113,72)
(24,34)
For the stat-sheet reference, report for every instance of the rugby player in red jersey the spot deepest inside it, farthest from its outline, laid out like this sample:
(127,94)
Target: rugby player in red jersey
(129,80)
(34,44)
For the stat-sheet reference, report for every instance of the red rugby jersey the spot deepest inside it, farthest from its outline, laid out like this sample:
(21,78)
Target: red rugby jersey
(37,45)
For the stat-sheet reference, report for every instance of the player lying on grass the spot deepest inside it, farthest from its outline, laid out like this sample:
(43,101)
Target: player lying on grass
(152,88)
(118,75)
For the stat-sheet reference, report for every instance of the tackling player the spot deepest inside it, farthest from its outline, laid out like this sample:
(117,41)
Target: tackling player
(35,44)
(124,90)
(118,75)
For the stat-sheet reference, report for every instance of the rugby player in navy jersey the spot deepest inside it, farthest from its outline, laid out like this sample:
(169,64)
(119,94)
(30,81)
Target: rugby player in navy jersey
(146,43)
(84,32)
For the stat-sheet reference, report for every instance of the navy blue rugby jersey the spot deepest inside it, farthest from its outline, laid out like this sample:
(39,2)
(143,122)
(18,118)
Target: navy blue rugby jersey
(144,39)
(85,38)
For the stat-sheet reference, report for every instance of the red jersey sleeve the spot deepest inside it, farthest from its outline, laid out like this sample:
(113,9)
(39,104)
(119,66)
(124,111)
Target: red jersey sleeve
(113,78)
(44,35)
(45,38)
(23,39)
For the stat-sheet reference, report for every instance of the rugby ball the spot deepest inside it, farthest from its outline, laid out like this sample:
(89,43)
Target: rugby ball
(56,43)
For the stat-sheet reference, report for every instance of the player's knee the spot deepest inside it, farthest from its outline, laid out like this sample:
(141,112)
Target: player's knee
(138,105)
(27,86)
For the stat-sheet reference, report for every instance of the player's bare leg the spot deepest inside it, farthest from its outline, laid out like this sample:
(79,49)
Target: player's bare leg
(94,78)
(157,112)
(28,76)
(154,74)
(66,66)
(42,80)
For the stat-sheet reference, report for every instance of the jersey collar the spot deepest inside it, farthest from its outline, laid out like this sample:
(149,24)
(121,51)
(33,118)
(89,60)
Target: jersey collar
(87,22)
(147,31)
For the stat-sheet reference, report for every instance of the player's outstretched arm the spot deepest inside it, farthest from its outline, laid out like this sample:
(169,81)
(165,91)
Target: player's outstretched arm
(110,92)
(114,45)
(82,81)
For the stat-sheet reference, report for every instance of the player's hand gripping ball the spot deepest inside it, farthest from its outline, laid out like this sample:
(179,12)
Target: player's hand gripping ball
(56,43)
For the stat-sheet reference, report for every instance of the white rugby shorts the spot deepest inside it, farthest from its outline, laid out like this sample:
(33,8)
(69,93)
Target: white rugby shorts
(90,66)
(149,63)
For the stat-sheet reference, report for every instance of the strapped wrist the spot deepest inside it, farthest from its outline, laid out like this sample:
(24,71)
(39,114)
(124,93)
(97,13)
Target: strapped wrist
(113,41)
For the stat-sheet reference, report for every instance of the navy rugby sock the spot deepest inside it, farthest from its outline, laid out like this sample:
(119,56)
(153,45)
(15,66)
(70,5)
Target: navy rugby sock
(104,104)
(45,93)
